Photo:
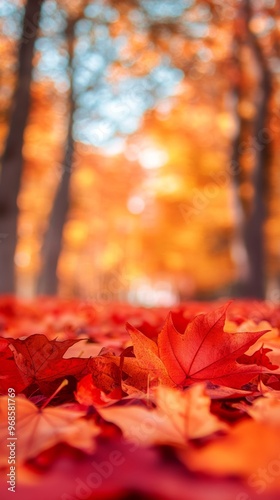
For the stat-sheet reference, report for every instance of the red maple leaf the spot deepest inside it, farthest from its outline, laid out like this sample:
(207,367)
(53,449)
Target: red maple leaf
(206,352)
(39,360)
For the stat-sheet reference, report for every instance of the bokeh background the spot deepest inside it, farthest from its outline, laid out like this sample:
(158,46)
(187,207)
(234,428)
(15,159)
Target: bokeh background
(140,149)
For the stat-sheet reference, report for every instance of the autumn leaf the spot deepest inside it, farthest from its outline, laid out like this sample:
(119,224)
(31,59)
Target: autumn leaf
(259,358)
(188,411)
(206,352)
(39,429)
(265,409)
(136,377)
(89,394)
(41,360)
(147,355)
(106,373)
(179,416)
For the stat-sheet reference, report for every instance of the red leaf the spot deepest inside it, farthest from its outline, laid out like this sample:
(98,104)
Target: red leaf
(259,358)
(90,395)
(206,352)
(40,429)
(146,352)
(39,359)
(10,375)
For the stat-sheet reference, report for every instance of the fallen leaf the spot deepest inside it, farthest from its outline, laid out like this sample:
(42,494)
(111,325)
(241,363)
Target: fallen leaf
(39,429)
(265,409)
(179,416)
(259,358)
(206,352)
(89,394)
(146,352)
(41,360)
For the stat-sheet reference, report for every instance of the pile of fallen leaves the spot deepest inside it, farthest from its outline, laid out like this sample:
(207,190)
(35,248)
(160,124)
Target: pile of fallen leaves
(120,402)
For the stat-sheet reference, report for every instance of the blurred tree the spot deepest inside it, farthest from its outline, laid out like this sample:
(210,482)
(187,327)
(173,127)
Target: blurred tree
(249,233)
(52,242)
(12,158)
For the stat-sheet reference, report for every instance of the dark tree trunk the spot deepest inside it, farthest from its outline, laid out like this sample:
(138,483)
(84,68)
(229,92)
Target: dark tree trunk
(12,159)
(53,238)
(250,227)
(254,230)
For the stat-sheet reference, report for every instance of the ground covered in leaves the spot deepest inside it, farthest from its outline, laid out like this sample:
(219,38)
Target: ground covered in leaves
(120,402)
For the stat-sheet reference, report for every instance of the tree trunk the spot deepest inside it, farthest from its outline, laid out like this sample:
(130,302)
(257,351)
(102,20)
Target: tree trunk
(254,229)
(12,159)
(249,228)
(53,239)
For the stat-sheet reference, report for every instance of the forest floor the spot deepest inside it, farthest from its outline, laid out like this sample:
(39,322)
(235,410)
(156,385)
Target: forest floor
(114,401)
